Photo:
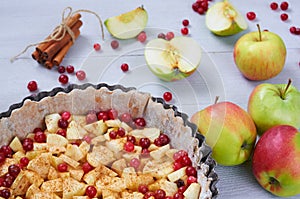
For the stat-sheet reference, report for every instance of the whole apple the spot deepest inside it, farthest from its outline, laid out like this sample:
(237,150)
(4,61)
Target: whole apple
(276,161)
(274,104)
(229,131)
(260,55)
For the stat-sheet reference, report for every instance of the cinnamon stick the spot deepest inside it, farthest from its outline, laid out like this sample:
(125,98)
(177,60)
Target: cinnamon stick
(71,22)
(35,55)
(56,46)
(48,64)
(61,54)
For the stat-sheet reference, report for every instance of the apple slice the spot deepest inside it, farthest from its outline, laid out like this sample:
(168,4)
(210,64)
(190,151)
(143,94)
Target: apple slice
(173,60)
(127,25)
(223,19)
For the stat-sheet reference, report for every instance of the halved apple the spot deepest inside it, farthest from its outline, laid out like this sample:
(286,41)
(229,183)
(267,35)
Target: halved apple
(127,25)
(223,19)
(173,60)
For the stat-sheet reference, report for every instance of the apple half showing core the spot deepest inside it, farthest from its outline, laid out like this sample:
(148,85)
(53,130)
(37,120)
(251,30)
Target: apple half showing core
(223,19)
(173,60)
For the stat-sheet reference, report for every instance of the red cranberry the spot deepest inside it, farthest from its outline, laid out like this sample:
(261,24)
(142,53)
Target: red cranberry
(80,75)
(144,143)
(293,29)
(62,167)
(179,154)
(32,86)
(164,139)
(142,37)
(186,161)
(149,194)
(113,134)
(126,117)
(185,22)
(70,69)
(184,31)
(91,191)
(167,96)
(2,157)
(112,114)
(191,179)
(284,16)
(124,67)
(129,147)
(182,189)
(121,132)
(62,132)
(284,5)
(37,130)
(251,15)
(143,188)
(87,138)
(161,36)
(62,123)
(14,170)
(103,115)
(169,36)
(168,197)
(61,69)
(160,194)
(8,180)
(114,44)
(5,193)
(274,6)
(24,161)
(177,165)
(196,6)
(178,196)
(131,138)
(86,167)
(90,118)
(135,163)
(6,150)
(66,115)
(158,142)
(40,137)
(191,171)
(97,46)
(140,122)
(27,144)
(63,79)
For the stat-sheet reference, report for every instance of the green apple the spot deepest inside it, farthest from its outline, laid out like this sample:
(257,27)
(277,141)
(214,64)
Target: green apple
(276,161)
(127,25)
(229,131)
(173,60)
(260,55)
(223,19)
(274,104)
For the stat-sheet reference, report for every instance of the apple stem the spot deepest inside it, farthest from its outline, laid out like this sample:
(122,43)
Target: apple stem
(286,89)
(259,31)
(217,99)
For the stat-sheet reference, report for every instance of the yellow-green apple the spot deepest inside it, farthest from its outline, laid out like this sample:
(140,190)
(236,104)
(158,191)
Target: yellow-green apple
(229,131)
(274,104)
(173,60)
(276,160)
(223,19)
(260,55)
(127,25)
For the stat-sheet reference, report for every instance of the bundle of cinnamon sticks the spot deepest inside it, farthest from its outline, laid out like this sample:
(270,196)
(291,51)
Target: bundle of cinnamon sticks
(52,52)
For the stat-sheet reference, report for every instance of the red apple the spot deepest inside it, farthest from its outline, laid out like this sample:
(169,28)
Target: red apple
(276,161)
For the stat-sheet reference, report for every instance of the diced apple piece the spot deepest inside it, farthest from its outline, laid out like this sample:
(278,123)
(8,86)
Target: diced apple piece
(169,187)
(52,122)
(176,175)
(79,119)
(113,123)
(160,152)
(56,140)
(69,161)
(16,145)
(158,169)
(40,146)
(32,190)
(97,128)
(119,165)
(72,187)
(75,131)
(40,164)
(55,185)
(34,178)
(100,155)
(74,152)
(98,140)
(193,191)
(53,173)
(116,145)
(20,184)
(77,174)
(84,147)
(151,133)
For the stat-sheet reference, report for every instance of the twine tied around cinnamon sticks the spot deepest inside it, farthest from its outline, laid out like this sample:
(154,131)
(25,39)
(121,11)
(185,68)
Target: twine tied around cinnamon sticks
(51,51)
